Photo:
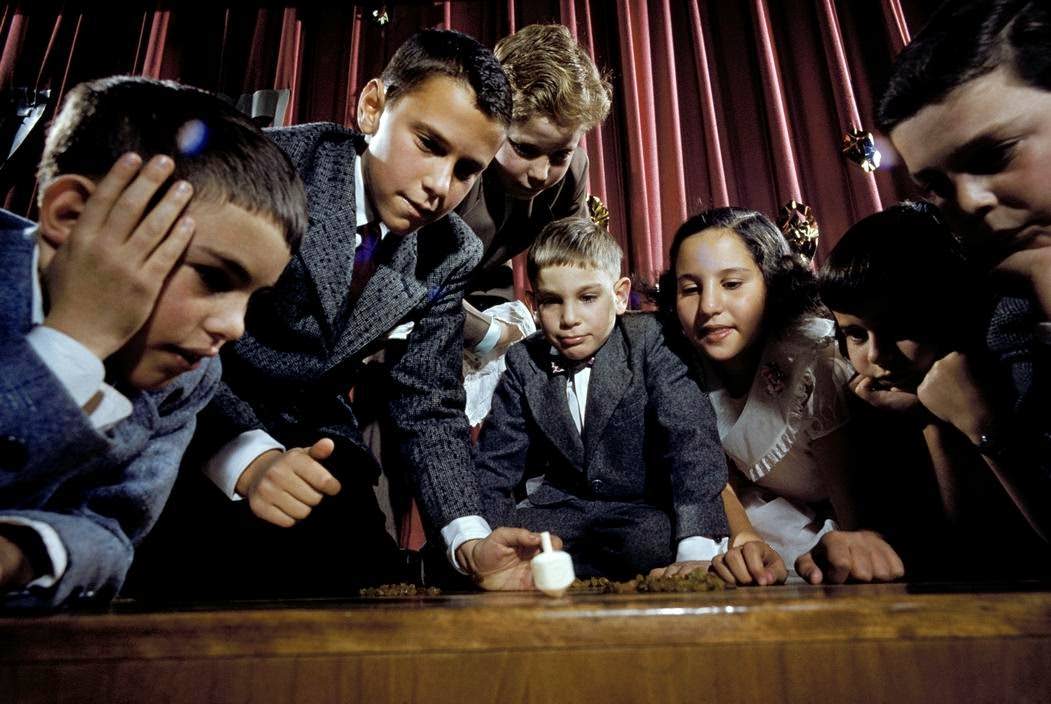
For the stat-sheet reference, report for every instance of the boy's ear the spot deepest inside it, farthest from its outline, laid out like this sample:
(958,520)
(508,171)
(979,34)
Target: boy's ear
(621,290)
(61,205)
(370,106)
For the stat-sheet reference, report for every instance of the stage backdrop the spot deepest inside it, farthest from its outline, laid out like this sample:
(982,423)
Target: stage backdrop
(716,102)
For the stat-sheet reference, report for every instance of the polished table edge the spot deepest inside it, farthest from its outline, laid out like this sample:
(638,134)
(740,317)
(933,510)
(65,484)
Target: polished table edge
(528,621)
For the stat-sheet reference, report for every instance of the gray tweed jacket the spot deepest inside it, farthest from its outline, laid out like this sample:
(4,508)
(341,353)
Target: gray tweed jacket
(649,433)
(304,347)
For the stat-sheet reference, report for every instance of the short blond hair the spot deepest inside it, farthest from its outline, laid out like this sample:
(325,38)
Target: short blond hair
(574,241)
(551,75)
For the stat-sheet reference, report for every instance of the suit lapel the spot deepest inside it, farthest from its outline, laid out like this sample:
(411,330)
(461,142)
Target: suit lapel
(328,253)
(392,292)
(546,393)
(611,377)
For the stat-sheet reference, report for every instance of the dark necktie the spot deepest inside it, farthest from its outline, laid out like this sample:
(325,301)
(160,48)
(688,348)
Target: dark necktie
(365,260)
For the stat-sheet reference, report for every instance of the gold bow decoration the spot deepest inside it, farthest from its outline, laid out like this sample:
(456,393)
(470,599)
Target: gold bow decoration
(598,212)
(799,226)
(859,146)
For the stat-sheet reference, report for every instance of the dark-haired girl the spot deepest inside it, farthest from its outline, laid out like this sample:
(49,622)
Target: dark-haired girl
(768,360)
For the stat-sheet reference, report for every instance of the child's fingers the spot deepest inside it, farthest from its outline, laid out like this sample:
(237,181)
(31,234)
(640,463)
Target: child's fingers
(753,559)
(163,259)
(292,506)
(720,569)
(156,227)
(860,564)
(887,565)
(108,190)
(317,478)
(129,209)
(270,513)
(735,562)
(658,572)
(807,568)
(775,564)
(322,449)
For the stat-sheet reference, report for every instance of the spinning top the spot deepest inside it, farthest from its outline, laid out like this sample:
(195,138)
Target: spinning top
(552,569)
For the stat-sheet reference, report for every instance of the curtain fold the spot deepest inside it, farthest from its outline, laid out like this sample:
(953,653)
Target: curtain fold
(715,102)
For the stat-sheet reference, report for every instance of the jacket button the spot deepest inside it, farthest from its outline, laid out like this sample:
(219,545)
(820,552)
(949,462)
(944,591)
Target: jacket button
(596,485)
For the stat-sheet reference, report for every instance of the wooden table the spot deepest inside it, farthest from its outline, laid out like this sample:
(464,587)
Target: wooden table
(884,643)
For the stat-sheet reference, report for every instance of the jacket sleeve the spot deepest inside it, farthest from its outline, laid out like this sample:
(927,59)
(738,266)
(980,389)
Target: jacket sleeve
(103,514)
(503,446)
(686,431)
(427,400)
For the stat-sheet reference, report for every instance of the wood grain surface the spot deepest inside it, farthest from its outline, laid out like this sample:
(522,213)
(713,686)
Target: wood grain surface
(792,644)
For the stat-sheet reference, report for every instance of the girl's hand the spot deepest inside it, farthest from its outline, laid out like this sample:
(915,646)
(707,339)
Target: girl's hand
(857,555)
(892,399)
(750,563)
(951,393)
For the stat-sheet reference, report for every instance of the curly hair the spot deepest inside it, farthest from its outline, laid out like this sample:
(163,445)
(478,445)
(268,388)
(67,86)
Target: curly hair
(552,76)
(791,289)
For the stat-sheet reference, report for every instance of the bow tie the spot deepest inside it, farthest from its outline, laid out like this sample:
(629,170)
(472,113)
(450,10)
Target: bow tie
(561,365)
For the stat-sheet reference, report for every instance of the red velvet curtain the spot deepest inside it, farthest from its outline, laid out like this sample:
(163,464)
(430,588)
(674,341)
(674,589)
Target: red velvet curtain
(716,101)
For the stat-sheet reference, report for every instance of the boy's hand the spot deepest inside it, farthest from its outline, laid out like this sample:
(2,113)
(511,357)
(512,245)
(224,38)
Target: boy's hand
(15,571)
(892,399)
(750,563)
(501,561)
(950,392)
(861,556)
(104,280)
(680,569)
(283,487)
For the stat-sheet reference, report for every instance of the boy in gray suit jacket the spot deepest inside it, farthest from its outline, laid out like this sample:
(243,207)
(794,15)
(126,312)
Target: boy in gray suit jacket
(112,312)
(597,420)
(383,271)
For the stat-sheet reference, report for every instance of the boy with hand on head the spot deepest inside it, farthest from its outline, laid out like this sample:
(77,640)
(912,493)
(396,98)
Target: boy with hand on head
(539,174)
(114,308)
(632,469)
(968,107)
(384,270)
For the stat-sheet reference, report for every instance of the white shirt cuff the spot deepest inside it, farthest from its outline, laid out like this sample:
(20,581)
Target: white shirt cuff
(80,372)
(56,551)
(490,340)
(698,547)
(228,464)
(462,529)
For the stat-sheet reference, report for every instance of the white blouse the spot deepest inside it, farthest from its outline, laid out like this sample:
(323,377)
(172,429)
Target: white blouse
(798,395)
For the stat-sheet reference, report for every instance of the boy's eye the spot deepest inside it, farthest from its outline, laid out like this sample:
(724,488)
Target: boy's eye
(525,151)
(430,146)
(214,279)
(732,284)
(561,158)
(465,171)
(992,159)
(589,298)
(689,290)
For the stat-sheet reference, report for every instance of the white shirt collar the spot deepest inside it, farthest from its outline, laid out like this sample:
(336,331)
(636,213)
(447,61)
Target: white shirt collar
(38,292)
(364,213)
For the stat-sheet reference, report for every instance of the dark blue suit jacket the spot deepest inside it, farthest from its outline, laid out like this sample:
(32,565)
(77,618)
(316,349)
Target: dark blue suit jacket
(100,491)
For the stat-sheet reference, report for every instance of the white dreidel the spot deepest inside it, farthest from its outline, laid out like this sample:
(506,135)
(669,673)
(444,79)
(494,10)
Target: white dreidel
(552,569)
